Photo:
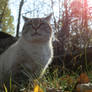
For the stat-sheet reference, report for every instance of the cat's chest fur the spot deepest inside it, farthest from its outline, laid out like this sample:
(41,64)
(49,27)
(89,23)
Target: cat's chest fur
(33,49)
(32,56)
(37,53)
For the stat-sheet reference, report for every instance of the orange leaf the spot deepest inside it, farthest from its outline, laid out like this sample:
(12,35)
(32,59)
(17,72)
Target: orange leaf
(88,91)
(83,78)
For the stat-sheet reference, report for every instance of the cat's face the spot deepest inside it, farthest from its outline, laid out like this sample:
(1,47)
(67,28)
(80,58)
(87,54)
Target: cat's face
(37,29)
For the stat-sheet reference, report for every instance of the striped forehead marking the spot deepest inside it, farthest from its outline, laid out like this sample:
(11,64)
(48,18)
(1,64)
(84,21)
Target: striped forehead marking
(36,23)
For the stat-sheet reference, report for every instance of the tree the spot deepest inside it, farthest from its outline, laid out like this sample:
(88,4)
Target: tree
(80,17)
(19,16)
(6,20)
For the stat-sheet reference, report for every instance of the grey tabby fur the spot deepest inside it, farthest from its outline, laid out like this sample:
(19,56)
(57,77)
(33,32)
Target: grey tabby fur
(33,50)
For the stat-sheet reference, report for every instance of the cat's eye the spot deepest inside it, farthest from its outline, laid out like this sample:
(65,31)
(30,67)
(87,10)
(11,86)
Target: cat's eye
(42,24)
(29,24)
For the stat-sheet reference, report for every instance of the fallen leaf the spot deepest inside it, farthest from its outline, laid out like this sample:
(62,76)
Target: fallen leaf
(88,91)
(37,88)
(83,78)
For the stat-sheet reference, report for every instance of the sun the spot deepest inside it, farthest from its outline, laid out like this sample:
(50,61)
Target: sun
(90,2)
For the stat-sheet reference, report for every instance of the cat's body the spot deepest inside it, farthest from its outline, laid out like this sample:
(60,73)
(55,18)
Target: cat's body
(33,49)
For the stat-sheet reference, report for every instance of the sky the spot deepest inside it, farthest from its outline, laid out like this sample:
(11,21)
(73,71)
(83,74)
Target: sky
(36,8)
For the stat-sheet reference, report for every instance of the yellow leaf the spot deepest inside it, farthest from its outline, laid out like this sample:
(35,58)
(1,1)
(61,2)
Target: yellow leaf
(37,89)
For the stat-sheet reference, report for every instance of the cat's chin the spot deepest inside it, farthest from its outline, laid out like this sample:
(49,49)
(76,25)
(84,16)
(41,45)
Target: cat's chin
(37,41)
(35,34)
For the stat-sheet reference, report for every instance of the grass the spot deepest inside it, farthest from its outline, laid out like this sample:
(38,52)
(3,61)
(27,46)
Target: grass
(64,82)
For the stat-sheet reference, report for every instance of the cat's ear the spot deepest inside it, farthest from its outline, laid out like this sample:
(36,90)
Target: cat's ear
(25,18)
(48,18)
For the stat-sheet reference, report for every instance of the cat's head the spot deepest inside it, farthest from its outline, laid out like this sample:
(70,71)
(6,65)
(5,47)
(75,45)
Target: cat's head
(37,30)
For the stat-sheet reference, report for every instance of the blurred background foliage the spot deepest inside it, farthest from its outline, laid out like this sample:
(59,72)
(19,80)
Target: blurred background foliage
(6,20)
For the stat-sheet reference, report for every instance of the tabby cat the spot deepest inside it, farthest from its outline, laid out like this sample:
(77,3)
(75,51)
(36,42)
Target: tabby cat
(33,50)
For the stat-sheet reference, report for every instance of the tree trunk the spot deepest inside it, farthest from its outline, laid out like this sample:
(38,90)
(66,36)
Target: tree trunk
(19,16)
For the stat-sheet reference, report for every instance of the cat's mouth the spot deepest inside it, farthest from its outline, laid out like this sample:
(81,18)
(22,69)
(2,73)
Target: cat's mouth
(36,34)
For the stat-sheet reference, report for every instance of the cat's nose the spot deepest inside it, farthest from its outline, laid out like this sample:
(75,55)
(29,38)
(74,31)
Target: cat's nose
(35,30)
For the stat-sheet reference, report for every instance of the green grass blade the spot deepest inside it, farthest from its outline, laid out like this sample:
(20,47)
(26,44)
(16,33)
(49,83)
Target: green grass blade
(5,88)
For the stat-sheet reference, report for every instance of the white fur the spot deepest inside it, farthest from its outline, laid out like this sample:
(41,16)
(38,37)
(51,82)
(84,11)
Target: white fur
(34,52)
(40,54)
